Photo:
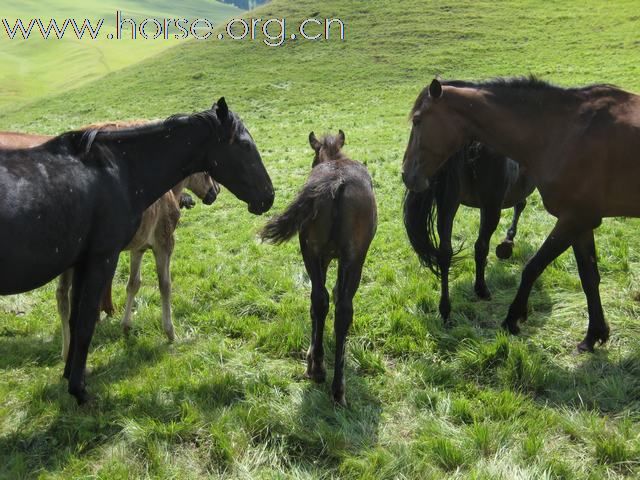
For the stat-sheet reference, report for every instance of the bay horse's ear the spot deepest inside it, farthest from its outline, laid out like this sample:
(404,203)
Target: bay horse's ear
(313,141)
(435,89)
(223,110)
(340,139)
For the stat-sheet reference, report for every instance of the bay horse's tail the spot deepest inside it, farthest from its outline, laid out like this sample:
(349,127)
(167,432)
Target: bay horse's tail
(284,226)
(420,212)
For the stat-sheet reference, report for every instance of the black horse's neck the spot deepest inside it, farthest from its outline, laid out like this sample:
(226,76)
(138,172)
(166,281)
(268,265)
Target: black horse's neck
(153,159)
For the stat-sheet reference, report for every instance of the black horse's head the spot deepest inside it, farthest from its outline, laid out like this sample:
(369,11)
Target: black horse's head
(236,162)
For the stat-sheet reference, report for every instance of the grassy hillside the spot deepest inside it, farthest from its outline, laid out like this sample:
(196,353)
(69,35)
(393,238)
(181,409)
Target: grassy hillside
(38,67)
(227,400)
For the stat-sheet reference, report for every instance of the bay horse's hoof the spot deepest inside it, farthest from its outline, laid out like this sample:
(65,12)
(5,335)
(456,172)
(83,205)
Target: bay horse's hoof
(511,327)
(504,250)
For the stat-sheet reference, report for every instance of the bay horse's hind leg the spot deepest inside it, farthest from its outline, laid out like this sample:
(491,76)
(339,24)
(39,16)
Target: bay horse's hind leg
(561,237)
(163,270)
(64,309)
(447,209)
(133,285)
(584,249)
(317,269)
(505,249)
(97,274)
(489,219)
(349,273)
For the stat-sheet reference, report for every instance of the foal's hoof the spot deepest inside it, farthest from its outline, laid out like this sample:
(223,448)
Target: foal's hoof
(511,327)
(171,336)
(483,292)
(340,400)
(504,250)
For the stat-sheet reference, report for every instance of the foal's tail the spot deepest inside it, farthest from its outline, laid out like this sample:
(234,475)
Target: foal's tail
(284,226)
(420,215)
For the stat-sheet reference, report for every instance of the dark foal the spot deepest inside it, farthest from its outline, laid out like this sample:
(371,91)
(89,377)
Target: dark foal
(475,176)
(77,200)
(336,217)
(580,146)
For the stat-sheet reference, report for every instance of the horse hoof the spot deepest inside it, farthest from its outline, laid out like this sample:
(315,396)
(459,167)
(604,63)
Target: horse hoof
(126,329)
(511,327)
(483,292)
(81,395)
(315,374)
(340,400)
(504,250)
(585,347)
(171,336)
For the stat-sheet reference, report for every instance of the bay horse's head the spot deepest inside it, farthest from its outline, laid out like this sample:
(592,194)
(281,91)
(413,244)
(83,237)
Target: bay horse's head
(236,162)
(327,148)
(435,136)
(205,188)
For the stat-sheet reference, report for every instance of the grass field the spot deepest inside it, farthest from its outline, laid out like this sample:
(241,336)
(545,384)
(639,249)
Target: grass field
(38,67)
(228,400)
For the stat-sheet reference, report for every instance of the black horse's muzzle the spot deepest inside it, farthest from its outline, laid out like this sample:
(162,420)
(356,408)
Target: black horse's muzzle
(262,206)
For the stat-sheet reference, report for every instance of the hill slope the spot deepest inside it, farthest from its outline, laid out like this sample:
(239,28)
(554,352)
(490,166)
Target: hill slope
(36,67)
(227,400)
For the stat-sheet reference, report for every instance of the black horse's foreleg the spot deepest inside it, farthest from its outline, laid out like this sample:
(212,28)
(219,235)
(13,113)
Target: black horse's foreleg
(349,273)
(505,249)
(446,213)
(489,219)
(584,249)
(561,237)
(93,281)
(317,270)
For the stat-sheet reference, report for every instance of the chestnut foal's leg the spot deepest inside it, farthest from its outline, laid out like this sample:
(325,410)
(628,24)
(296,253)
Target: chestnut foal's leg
(349,273)
(162,256)
(489,219)
(505,249)
(584,249)
(317,269)
(564,233)
(133,285)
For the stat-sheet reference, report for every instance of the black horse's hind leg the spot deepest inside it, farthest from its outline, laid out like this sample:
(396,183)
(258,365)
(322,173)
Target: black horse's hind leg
(76,289)
(317,269)
(94,279)
(584,249)
(505,249)
(489,219)
(561,237)
(447,208)
(349,273)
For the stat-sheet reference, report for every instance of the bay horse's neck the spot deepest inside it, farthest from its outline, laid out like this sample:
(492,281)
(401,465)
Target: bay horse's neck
(158,158)
(521,132)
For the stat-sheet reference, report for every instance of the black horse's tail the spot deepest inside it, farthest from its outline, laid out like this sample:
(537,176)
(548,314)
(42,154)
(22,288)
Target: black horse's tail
(284,226)
(421,212)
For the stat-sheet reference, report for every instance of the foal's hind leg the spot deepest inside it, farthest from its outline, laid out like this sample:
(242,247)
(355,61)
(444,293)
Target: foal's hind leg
(489,219)
(163,269)
(505,249)
(317,269)
(64,311)
(349,273)
(133,285)
(584,249)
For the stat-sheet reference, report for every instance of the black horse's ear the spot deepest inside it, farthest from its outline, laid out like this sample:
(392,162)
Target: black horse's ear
(340,139)
(435,89)
(223,110)
(313,141)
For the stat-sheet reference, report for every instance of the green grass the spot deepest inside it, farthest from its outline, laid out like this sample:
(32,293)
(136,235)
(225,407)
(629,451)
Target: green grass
(37,67)
(228,400)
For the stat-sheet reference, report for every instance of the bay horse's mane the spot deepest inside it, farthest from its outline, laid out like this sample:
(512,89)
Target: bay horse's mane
(530,88)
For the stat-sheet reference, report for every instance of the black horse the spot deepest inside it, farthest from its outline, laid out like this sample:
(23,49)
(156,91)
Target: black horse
(77,200)
(478,177)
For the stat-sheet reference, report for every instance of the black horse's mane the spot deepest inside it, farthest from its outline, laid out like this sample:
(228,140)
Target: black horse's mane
(512,87)
(80,142)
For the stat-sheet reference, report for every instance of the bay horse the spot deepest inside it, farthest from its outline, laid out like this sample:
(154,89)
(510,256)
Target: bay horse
(76,201)
(578,144)
(478,177)
(336,217)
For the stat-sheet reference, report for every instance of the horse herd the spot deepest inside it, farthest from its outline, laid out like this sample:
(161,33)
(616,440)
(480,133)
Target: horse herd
(70,204)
